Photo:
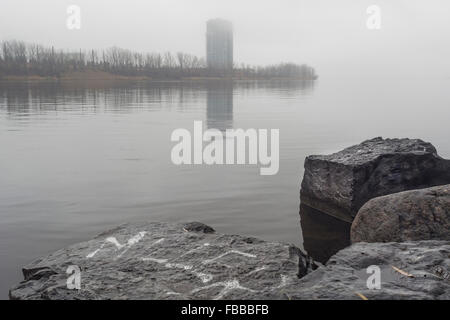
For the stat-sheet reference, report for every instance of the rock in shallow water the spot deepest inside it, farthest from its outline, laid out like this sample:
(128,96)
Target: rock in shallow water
(340,183)
(410,215)
(167,261)
(410,270)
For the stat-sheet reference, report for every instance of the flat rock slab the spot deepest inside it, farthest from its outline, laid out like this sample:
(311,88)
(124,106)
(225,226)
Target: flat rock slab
(422,272)
(166,261)
(422,214)
(340,183)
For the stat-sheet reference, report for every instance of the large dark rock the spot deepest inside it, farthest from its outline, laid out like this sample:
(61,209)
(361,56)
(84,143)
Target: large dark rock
(422,272)
(167,261)
(192,261)
(410,215)
(340,183)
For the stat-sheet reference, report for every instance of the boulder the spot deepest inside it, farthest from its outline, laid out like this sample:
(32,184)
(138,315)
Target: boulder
(409,270)
(340,183)
(166,261)
(192,261)
(410,215)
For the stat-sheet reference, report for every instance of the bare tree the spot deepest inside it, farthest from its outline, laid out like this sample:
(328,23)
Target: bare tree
(20,58)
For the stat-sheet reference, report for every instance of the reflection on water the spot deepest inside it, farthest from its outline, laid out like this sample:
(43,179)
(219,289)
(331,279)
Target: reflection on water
(219,110)
(27,98)
(323,235)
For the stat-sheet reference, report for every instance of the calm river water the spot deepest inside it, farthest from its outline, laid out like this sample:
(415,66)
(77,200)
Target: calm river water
(76,160)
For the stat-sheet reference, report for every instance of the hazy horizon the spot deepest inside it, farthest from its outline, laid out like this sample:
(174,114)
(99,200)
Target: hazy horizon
(330,36)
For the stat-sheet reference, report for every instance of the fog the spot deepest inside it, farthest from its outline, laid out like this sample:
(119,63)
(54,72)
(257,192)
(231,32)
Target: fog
(330,35)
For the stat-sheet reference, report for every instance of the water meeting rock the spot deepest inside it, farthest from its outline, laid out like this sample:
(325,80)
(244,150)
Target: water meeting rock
(340,183)
(166,261)
(422,214)
(408,270)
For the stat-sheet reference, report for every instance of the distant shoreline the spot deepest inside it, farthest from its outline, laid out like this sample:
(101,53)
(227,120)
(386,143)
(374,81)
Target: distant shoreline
(100,76)
(95,77)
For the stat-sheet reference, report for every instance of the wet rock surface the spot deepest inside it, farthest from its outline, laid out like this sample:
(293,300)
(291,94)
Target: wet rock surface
(410,270)
(340,183)
(172,261)
(167,261)
(411,215)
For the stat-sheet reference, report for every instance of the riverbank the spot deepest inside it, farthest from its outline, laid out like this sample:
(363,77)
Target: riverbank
(101,76)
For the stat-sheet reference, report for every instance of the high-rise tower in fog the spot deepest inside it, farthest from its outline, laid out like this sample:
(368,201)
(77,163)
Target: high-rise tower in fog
(219,44)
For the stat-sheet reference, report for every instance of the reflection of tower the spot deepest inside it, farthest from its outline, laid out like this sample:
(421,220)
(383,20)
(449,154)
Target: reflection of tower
(219,105)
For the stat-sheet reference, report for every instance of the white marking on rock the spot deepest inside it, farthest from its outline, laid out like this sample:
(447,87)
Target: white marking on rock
(155,260)
(137,238)
(178,266)
(227,287)
(257,270)
(131,242)
(204,277)
(114,241)
(249,255)
(284,281)
(92,254)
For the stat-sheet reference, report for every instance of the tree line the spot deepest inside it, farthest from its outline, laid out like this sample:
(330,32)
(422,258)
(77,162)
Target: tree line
(24,59)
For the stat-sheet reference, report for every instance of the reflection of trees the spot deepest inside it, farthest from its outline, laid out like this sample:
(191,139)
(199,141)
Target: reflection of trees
(129,96)
(294,87)
(107,97)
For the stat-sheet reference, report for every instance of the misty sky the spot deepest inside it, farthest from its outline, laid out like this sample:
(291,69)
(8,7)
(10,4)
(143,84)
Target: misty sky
(330,35)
